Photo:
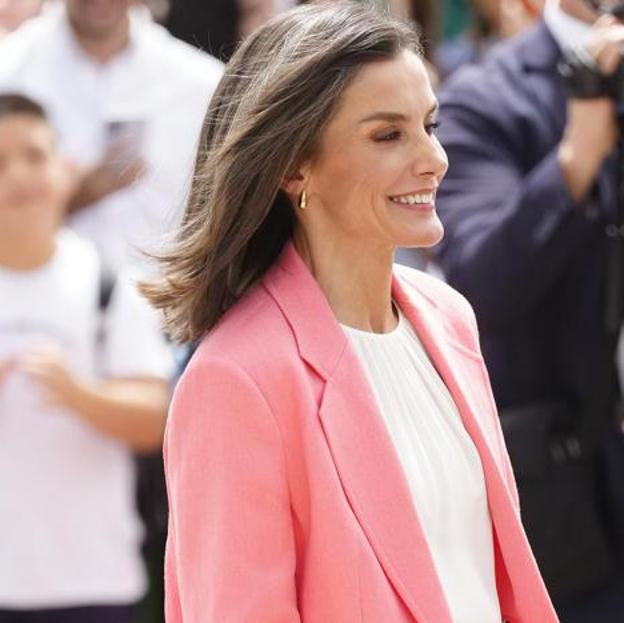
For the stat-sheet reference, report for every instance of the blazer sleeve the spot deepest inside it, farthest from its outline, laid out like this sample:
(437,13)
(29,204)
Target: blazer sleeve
(510,227)
(230,552)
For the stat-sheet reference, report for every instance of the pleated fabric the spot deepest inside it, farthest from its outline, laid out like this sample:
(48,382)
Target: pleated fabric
(441,465)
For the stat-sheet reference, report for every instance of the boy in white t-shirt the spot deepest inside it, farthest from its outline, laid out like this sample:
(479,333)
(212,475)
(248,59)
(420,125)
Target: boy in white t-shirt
(70,413)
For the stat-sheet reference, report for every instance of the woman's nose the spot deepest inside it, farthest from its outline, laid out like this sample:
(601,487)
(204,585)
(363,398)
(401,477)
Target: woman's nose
(431,159)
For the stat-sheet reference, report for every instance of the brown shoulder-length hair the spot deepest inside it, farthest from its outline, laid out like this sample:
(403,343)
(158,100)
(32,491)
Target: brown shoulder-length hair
(264,120)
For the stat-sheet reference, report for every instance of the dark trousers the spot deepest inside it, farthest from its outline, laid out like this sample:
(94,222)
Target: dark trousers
(88,614)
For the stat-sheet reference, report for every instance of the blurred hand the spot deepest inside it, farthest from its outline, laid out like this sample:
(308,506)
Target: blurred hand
(604,43)
(48,368)
(591,131)
(114,172)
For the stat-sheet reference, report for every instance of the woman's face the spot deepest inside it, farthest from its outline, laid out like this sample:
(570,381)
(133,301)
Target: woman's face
(374,179)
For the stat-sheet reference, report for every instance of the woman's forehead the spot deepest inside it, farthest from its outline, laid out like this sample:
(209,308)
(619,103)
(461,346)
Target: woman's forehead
(399,85)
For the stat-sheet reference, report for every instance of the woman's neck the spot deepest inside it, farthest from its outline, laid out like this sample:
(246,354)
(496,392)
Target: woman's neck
(357,282)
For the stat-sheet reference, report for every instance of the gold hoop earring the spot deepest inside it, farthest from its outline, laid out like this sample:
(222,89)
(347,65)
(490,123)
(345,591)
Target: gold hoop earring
(303,200)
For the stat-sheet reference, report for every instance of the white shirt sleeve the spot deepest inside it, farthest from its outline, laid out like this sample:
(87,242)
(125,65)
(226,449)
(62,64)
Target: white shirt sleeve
(134,344)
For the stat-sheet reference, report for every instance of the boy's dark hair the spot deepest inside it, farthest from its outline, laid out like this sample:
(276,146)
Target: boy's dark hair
(18,104)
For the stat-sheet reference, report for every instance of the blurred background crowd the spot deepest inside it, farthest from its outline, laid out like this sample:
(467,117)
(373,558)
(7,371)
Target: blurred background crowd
(101,104)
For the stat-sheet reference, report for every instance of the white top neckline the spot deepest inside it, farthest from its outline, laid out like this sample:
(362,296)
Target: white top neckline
(373,334)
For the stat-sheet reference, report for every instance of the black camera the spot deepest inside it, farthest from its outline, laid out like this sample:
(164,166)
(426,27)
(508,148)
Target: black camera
(581,75)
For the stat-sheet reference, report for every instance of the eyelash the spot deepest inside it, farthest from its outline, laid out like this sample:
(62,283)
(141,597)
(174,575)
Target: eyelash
(432,127)
(388,136)
(395,134)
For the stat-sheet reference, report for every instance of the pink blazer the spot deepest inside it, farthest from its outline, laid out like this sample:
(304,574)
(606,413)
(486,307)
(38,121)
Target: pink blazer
(288,503)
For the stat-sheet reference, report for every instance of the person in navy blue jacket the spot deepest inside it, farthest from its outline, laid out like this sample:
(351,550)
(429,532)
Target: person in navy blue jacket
(530,191)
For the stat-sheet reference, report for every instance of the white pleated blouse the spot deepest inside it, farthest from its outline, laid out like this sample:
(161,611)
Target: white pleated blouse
(441,465)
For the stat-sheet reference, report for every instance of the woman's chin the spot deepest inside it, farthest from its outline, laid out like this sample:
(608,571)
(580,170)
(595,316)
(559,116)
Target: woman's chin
(427,235)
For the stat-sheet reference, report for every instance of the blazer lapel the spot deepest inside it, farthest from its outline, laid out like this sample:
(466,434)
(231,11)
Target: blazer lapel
(462,371)
(365,459)
(464,374)
(377,490)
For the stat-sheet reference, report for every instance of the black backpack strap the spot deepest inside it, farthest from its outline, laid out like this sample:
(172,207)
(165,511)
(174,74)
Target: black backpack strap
(106,287)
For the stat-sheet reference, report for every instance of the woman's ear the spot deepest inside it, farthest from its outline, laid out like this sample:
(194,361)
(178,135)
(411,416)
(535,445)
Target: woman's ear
(293,184)
(298,180)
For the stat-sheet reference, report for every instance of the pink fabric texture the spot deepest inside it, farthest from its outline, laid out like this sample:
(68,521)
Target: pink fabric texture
(288,502)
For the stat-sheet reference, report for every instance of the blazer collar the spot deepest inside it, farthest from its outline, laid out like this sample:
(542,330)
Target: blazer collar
(320,340)
(318,335)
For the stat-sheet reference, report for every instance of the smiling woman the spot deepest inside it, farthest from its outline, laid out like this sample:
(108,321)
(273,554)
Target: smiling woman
(333,451)
(372,183)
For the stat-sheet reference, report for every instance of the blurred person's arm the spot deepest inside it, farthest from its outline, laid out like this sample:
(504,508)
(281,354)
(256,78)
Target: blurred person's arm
(130,402)
(132,411)
(111,174)
(590,136)
(511,232)
(591,132)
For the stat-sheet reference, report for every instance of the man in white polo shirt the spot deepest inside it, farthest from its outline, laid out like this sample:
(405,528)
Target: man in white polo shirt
(127,100)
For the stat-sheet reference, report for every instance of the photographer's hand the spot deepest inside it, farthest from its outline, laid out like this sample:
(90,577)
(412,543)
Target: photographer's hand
(591,131)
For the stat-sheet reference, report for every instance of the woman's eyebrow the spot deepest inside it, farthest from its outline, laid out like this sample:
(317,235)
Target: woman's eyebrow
(386,115)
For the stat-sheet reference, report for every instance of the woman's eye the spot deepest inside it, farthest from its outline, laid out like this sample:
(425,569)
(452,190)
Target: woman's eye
(393,135)
(432,127)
